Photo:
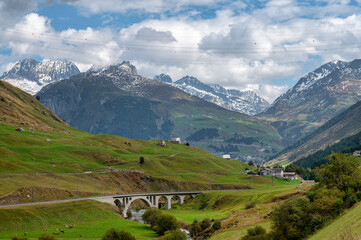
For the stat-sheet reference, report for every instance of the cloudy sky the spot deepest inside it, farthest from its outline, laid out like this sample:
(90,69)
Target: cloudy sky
(265,46)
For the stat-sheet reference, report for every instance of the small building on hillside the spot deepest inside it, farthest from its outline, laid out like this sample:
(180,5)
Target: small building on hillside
(226,156)
(162,143)
(273,172)
(290,175)
(251,173)
(176,140)
(357,153)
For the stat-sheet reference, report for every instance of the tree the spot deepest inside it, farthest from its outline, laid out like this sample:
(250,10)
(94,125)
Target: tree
(114,234)
(37,97)
(251,163)
(342,171)
(217,225)
(151,216)
(291,219)
(141,160)
(165,223)
(174,235)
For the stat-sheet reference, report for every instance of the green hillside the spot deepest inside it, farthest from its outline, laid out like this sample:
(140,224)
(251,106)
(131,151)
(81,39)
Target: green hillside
(91,219)
(346,226)
(342,126)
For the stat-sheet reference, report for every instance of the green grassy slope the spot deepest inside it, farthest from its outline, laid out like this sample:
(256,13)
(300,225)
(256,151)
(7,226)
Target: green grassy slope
(343,125)
(91,219)
(346,226)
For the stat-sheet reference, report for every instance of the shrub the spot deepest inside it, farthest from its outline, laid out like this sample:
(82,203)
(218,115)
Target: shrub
(46,237)
(195,228)
(250,204)
(129,214)
(37,97)
(151,216)
(217,225)
(114,234)
(165,223)
(141,160)
(206,223)
(256,233)
(174,235)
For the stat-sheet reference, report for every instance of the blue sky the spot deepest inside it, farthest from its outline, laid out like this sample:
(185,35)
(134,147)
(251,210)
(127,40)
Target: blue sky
(264,46)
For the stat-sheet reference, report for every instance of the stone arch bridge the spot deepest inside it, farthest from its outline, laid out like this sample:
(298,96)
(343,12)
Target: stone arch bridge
(151,199)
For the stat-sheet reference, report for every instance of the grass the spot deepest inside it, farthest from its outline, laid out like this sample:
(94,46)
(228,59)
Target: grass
(346,226)
(91,219)
(218,205)
(236,234)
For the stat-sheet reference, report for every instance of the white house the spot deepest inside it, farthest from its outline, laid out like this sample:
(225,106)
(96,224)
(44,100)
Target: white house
(176,140)
(275,172)
(226,156)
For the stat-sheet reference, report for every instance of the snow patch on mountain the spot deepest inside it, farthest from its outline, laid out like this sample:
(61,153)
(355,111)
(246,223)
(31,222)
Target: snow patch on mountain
(235,100)
(31,75)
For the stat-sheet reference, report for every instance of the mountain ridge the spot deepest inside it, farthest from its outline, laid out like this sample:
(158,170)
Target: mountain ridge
(232,99)
(31,75)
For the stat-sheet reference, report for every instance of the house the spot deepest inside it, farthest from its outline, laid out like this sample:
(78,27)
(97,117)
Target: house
(176,140)
(251,173)
(162,143)
(357,153)
(273,172)
(226,156)
(290,175)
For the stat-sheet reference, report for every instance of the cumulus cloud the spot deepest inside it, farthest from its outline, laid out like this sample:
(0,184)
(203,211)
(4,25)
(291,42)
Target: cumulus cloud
(151,35)
(254,50)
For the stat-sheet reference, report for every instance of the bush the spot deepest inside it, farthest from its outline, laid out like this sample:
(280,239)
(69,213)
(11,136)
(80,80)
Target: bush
(195,228)
(256,233)
(129,214)
(206,223)
(114,234)
(46,237)
(250,205)
(141,160)
(217,225)
(165,223)
(292,219)
(151,216)
(174,235)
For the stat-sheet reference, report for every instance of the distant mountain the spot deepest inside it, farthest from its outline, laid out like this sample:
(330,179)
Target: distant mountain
(241,101)
(114,100)
(342,126)
(31,75)
(316,98)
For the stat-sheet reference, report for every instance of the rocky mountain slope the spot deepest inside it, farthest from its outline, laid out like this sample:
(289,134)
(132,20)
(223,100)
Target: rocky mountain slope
(316,98)
(344,125)
(115,100)
(31,75)
(235,100)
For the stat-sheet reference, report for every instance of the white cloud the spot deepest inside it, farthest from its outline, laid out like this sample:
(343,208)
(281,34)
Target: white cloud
(246,50)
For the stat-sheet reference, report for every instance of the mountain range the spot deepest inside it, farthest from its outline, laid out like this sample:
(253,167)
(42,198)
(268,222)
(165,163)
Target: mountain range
(342,126)
(115,100)
(31,75)
(235,100)
(315,99)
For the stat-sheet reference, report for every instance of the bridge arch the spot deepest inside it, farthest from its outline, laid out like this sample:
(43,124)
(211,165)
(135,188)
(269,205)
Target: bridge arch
(128,202)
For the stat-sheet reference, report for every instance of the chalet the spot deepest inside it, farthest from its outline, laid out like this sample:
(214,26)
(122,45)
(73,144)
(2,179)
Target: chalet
(176,140)
(290,175)
(357,153)
(251,173)
(226,156)
(274,172)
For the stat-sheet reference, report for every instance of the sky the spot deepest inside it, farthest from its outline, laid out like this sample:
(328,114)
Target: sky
(264,46)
